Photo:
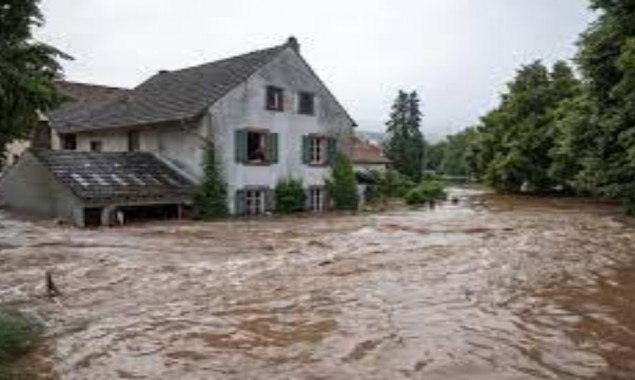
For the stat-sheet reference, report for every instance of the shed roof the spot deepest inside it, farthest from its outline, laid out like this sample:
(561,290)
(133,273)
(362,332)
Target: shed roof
(363,152)
(116,176)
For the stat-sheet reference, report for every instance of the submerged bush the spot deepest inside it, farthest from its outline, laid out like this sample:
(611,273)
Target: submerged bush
(390,184)
(427,191)
(290,196)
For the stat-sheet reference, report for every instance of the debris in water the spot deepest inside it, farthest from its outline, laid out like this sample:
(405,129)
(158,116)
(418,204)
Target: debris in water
(51,289)
(325,263)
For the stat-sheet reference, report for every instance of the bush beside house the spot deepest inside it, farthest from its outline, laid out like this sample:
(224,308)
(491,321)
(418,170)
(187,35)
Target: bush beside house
(290,196)
(211,197)
(342,186)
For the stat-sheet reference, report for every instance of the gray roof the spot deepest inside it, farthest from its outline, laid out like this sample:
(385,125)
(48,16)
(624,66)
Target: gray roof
(84,99)
(167,96)
(116,176)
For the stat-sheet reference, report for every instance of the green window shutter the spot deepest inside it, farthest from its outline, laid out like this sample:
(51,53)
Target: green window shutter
(239,203)
(240,145)
(272,145)
(270,200)
(306,152)
(331,149)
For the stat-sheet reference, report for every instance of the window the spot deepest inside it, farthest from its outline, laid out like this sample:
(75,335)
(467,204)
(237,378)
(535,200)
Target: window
(96,146)
(275,99)
(318,150)
(306,103)
(254,202)
(316,199)
(134,141)
(69,142)
(256,147)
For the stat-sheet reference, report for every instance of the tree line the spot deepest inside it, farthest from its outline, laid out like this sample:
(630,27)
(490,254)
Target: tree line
(565,128)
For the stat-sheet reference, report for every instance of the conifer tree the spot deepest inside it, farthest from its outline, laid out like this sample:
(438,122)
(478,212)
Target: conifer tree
(405,144)
(211,197)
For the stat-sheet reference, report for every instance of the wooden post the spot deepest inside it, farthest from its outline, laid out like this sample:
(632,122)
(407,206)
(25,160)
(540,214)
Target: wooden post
(51,289)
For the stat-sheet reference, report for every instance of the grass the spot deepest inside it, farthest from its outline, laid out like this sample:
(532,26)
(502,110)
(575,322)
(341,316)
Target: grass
(19,335)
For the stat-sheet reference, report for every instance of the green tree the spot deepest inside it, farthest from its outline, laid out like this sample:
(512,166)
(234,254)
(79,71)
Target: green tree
(28,70)
(434,154)
(211,196)
(405,144)
(451,155)
(575,132)
(606,59)
(342,186)
(516,140)
(581,132)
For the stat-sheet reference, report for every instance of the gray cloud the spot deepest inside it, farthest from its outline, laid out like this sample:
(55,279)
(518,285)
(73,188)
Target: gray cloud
(457,53)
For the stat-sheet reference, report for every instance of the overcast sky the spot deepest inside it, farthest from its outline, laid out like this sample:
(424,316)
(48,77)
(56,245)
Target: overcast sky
(457,53)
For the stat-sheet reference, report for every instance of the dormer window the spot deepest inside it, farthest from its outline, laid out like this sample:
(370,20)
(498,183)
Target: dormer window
(96,146)
(275,99)
(134,141)
(69,141)
(306,103)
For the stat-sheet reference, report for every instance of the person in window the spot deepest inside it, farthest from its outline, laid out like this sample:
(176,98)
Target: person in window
(259,155)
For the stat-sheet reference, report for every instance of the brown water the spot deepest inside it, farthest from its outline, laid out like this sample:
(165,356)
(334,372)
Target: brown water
(492,288)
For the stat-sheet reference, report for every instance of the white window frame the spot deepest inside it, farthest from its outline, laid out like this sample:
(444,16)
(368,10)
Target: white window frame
(254,201)
(277,99)
(316,199)
(317,150)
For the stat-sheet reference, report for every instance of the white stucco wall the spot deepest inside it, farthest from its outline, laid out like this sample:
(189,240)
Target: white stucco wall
(244,107)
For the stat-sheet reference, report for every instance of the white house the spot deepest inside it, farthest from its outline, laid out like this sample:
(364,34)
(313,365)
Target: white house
(267,113)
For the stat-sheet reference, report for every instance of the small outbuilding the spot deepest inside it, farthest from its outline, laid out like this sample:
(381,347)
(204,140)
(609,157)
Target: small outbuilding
(95,188)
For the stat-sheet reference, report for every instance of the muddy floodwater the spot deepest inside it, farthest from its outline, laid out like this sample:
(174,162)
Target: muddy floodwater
(494,287)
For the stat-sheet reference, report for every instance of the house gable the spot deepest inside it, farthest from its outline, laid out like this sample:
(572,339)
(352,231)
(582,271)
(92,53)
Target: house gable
(244,109)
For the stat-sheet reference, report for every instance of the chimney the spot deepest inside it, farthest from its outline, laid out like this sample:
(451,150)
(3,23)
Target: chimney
(164,71)
(292,42)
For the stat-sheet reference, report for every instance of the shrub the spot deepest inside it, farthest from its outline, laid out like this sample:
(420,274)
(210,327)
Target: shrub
(427,191)
(342,186)
(390,184)
(290,196)
(211,196)
(18,335)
